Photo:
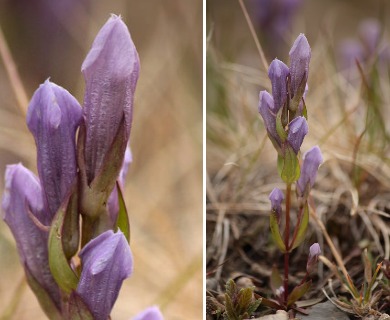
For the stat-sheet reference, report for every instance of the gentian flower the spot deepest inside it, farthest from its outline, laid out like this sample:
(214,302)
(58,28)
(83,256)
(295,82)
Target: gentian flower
(53,117)
(312,260)
(151,313)
(107,261)
(276,197)
(25,215)
(267,112)
(300,54)
(111,71)
(311,162)
(297,131)
(278,73)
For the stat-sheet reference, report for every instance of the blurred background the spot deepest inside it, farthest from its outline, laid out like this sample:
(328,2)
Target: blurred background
(164,185)
(348,105)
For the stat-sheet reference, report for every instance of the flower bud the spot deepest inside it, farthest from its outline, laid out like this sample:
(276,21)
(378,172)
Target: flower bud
(107,261)
(24,213)
(266,110)
(311,162)
(276,196)
(151,313)
(53,117)
(111,71)
(297,131)
(300,54)
(278,73)
(312,260)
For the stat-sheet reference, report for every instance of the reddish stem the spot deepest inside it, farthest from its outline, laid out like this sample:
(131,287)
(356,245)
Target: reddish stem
(286,242)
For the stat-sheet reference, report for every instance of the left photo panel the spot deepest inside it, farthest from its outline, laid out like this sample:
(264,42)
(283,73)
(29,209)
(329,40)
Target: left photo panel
(101,160)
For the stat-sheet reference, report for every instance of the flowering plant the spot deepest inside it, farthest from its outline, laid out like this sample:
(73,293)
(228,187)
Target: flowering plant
(285,117)
(75,208)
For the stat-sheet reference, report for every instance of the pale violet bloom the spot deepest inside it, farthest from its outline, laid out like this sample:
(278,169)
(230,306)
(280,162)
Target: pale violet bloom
(151,313)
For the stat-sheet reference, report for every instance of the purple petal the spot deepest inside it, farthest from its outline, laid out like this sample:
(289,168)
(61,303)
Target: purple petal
(278,73)
(298,129)
(299,62)
(266,107)
(349,51)
(53,117)
(276,196)
(22,199)
(151,313)
(311,161)
(112,204)
(107,261)
(312,260)
(370,32)
(111,71)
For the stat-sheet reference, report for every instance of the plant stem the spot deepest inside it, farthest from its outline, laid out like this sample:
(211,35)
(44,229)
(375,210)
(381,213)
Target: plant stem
(286,242)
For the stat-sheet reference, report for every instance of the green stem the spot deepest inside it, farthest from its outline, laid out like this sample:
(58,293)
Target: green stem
(286,242)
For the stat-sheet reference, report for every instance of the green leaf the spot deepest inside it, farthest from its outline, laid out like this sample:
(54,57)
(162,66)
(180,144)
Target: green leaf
(279,126)
(71,226)
(78,310)
(274,226)
(231,288)
(253,306)
(290,170)
(276,280)
(230,312)
(122,221)
(301,228)
(298,292)
(244,300)
(47,304)
(58,263)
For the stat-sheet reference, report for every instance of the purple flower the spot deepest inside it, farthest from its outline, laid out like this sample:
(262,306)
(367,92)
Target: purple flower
(370,32)
(111,71)
(107,261)
(266,110)
(300,54)
(112,204)
(311,161)
(297,131)
(276,196)
(312,260)
(278,73)
(25,215)
(53,117)
(151,313)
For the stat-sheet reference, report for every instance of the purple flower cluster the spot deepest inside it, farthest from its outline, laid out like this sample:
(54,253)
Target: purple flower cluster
(90,173)
(283,112)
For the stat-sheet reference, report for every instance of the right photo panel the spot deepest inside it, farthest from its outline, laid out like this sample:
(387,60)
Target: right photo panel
(297,159)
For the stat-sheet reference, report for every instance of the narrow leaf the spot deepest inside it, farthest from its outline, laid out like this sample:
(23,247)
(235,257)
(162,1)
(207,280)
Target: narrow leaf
(58,263)
(231,288)
(71,227)
(298,292)
(244,300)
(274,226)
(230,312)
(122,221)
(301,228)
